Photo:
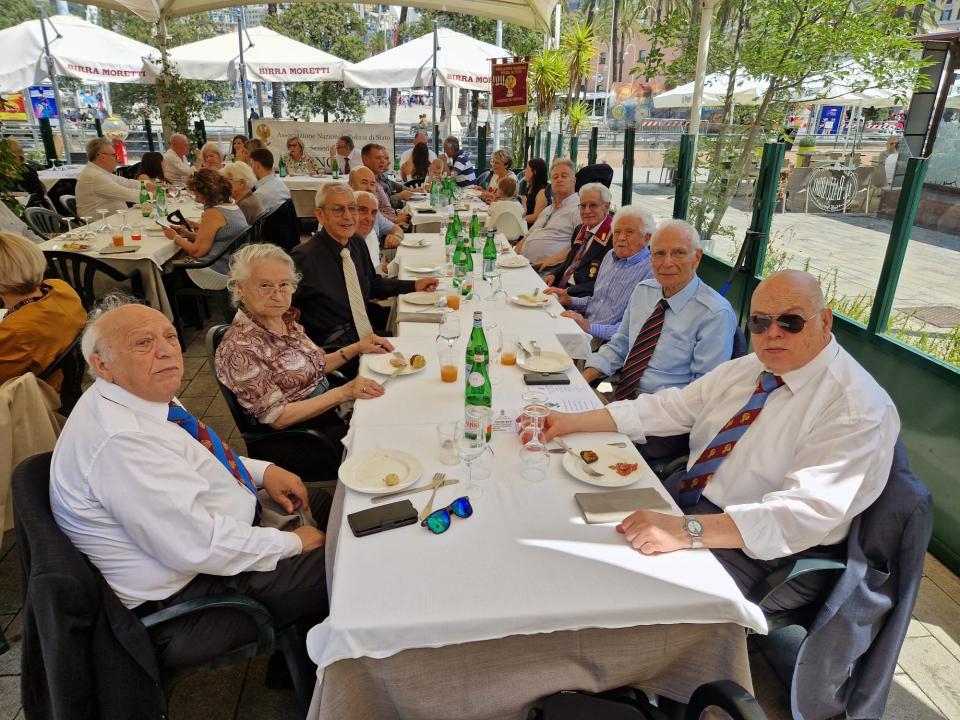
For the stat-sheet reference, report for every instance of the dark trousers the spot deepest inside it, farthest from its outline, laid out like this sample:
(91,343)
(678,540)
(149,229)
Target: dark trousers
(747,571)
(295,593)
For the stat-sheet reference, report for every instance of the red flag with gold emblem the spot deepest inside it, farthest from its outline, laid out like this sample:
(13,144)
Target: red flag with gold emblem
(509,84)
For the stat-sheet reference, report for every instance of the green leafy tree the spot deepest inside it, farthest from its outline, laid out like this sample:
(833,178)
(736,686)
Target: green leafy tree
(333,28)
(579,44)
(548,76)
(14,12)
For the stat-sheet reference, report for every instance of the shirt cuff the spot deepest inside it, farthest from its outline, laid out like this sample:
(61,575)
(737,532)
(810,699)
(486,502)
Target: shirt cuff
(601,332)
(291,545)
(762,539)
(579,303)
(625,417)
(256,468)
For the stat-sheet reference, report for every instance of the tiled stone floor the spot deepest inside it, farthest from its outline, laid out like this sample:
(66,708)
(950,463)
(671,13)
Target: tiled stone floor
(925,685)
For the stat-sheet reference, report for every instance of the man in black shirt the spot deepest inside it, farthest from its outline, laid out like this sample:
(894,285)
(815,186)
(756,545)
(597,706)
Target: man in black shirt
(323,295)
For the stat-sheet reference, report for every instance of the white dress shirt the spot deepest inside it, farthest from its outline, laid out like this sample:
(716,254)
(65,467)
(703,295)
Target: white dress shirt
(353,157)
(149,505)
(175,168)
(271,192)
(99,189)
(552,230)
(818,454)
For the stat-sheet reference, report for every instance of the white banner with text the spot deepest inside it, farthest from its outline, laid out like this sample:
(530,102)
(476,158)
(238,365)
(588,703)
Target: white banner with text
(317,138)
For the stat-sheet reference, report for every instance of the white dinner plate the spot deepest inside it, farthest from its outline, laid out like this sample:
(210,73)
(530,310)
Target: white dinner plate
(422,242)
(528,300)
(422,298)
(381,364)
(513,261)
(545,362)
(365,472)
(608,456)
(421,269)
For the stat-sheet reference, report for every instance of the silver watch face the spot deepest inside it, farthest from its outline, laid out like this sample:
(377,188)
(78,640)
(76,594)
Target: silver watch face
(693,526)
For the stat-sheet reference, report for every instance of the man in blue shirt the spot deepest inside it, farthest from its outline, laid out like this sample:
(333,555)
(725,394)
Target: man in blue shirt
(620,271)
(697,324)
(458,162)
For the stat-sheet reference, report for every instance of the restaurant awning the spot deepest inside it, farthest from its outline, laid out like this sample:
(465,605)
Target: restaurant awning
(462,62)
(268,56)
(79,50)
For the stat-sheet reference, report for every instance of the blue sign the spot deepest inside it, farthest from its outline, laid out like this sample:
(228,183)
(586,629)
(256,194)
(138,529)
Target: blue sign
(831,118)
(43,102)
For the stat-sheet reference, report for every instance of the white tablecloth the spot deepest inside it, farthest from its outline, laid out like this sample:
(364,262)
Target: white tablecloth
(51,176)
(422,214)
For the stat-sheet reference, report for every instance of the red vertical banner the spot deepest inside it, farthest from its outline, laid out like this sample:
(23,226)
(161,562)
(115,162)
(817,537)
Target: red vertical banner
(509,84)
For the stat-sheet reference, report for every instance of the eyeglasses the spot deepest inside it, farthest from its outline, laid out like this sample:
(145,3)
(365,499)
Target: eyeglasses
(342,209)
(106,153)
(758,323)
(439,521)
(591,206)
(268,289)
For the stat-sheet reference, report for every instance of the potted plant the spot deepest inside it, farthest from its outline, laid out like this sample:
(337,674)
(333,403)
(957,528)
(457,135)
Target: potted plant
(806,146)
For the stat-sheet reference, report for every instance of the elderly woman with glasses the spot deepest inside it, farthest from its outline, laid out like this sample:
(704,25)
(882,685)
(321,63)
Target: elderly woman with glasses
(500,163)
(210,157)
(298,160)
(276,372)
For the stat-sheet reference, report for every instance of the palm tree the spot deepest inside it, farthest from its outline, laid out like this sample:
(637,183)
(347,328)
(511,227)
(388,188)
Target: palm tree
(548,75)
(578,43)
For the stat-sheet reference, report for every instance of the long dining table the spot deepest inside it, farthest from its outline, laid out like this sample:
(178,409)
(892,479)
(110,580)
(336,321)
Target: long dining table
(523,598)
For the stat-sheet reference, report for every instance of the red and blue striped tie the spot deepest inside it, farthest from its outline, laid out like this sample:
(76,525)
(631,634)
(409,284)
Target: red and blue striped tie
(697,477)
(640,353)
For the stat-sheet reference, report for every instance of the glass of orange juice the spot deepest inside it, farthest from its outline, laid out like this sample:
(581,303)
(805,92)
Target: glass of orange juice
(453,298)
(508,355)
(118,238)
(448,365)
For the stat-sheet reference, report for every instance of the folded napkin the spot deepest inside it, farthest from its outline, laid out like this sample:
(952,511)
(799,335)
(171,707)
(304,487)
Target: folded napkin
(614,506)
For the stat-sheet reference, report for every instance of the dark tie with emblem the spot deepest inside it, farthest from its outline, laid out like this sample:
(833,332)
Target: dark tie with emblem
(640,353)
(702,471)
(575,263)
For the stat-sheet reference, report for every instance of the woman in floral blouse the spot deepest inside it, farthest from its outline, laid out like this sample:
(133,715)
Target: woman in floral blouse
(276,372)
(298,161)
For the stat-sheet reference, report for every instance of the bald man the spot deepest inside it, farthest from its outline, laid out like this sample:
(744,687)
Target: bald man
(787,445)
(164,508)
(389,234)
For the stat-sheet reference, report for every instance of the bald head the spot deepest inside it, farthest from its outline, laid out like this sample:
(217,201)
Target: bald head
(790,305)
(797,284)
(362,178)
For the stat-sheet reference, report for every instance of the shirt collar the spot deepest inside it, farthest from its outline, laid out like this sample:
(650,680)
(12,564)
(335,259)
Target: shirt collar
(680,300)
(796,379)
(639,257)
(114,393)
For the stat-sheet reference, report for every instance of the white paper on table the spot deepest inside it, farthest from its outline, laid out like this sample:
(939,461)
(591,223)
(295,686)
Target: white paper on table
(571,398)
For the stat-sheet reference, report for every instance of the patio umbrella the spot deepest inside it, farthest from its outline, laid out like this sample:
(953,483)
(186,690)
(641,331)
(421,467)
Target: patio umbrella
(268,56)
(747,91)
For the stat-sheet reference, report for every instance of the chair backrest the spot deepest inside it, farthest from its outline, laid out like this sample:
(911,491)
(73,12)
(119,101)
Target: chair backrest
(281,227)
(42,221)
(70,203)
(79,271)
(129,171)
(483,179)
(510,225)
(245,422)
(739,343)
(599,172)
(71,362)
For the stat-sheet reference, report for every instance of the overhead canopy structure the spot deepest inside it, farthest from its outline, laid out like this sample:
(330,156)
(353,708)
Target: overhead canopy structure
(529,13)
(461,62)
(747,91)
(78,49)
(857,88)
(267,55)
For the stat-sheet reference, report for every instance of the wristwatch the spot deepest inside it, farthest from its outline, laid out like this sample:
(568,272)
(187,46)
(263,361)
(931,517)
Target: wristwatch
(695,529)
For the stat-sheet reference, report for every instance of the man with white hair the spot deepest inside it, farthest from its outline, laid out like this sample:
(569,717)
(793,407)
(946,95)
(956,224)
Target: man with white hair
(388,233)
(675,329)
(175,166)
(551,232)
(368,217)
(165,509)
(98,188)
(575,268)
(620,270)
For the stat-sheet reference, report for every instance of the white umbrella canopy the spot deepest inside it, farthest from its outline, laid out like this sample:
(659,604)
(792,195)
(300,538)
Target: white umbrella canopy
(268,56)
(462,62)
(529,13)
(747,91)
(79,49)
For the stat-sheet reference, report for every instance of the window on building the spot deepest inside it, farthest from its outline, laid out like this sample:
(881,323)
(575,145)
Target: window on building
(643,55)
(603,58)
(945,15)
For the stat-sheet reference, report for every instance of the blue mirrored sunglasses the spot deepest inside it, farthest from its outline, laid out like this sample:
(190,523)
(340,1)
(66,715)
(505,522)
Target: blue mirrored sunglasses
(438,521)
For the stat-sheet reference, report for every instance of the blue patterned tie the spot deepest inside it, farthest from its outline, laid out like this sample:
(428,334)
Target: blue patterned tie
(697,477)
(208,437)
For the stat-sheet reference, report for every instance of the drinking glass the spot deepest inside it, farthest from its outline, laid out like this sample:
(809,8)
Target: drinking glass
(508,353)
(532,422)
(447,437)
(494,344)
(448,365)
(534,461)
(104,226)
(88,232)
(471,440)
(449,329)
(496,281)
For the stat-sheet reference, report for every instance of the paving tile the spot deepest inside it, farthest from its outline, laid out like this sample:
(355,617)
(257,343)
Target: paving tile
(10,660)
(196,405)
(258,703)
(940,615)
(193,365)
(931,666)
(7,541)
(908,702)
(203,385)
(218,406)
(9,697)
(916,628)
(209,695)
(942,576)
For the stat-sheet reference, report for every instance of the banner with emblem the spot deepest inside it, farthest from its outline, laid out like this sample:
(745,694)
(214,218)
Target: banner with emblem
(509,84)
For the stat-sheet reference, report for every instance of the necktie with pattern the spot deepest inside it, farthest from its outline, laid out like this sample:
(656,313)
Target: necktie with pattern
(346,165)
(640,353)
(357,306)
(697,477)
(575,263)
(208,437)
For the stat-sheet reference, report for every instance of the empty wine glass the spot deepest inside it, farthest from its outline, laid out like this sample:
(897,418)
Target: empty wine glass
(449,329)
(104,227)
(494,344)
(471,443)
(496,281)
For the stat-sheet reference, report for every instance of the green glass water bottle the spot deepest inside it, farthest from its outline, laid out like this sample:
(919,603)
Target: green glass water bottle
(396,163)
(477,343)
(161,199)
(475,230)
(457,225)
(479,390)
(489,256)
(282,172)
(144,200)
(335,167)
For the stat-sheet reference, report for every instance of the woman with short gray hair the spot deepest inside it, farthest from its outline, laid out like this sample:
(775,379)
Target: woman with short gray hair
(276,372)
(242,180)
(500,165)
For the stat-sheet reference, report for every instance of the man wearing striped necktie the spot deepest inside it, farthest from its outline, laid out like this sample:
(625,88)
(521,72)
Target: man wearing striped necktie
(788,445)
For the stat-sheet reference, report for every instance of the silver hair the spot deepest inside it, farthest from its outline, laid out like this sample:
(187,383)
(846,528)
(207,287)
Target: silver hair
(688,231)
(179,135)
(453,141)
(92,339)
(336,188)
(357,194)
(564,161)
(647,224)
(211,146)
(242,260)
(95,147)
(597,187)
(239,171)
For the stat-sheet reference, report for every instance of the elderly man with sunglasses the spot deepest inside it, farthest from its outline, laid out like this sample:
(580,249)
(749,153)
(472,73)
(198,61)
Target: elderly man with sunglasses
(787,445)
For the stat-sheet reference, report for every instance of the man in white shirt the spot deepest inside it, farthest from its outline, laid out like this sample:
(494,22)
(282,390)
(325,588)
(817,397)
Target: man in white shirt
(388,234)
(346,155)
(554,227)
(369,227)
(164,509)
(269,189)
(419,138)
(175,166)
(787,445)
(98,188)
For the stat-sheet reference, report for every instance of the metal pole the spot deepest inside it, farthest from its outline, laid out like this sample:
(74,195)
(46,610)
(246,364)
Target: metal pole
(243,68)
(53,82)
(626,197)
(556,26)
(706,22)
(433,77)
(496,115)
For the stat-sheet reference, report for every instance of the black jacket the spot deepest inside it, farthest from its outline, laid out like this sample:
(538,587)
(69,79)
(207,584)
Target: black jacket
(585,276)
(85,656)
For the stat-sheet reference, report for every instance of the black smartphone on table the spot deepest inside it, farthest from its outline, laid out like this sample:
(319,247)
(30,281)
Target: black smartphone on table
(385,517)
(545,379)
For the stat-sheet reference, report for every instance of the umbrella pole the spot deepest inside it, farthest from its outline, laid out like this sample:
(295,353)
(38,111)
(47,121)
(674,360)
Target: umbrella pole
(53,81)
(490,110)
(706,21)
(433,75)
(243,73)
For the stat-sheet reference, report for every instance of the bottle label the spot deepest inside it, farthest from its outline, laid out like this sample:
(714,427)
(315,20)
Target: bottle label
(475,379)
